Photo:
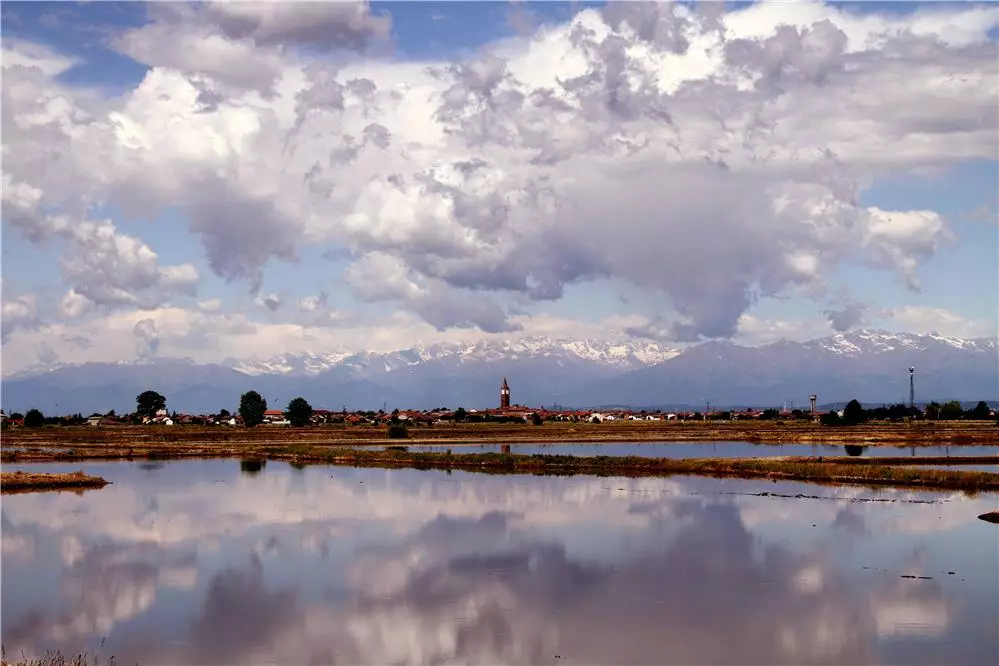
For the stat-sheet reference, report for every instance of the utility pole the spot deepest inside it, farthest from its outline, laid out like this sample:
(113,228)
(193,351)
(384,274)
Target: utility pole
(912,388)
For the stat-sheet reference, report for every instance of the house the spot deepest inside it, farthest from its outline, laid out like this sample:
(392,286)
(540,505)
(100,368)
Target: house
(274,417)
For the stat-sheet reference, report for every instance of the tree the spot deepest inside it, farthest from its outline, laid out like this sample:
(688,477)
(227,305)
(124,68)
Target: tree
(17,416)
(224,414)
(980,412)
(252,407)
(853,413)
(933,411)
(34,419)
(769,414)
(148,403)
(830,419)
(536,419)
(460,414)
(299,412)
(951,411)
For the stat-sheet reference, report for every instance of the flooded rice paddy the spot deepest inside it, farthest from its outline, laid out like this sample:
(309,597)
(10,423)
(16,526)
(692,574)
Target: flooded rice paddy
(680,450)
(230,562)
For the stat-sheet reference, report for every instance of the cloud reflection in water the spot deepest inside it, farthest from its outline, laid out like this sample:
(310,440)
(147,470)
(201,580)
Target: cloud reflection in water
(414,567)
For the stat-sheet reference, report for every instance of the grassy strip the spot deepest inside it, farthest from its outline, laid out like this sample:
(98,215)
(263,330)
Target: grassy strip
(59,659)
(955,433)
(808,469)
(22,482)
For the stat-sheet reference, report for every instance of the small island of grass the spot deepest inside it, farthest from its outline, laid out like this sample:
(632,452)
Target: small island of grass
(28,482)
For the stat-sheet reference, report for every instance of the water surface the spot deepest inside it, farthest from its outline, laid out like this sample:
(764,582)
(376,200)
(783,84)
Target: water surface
(218,562)
(679,450)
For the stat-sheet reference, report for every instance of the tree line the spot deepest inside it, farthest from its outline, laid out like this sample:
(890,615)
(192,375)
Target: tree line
(148,404)
(855,414)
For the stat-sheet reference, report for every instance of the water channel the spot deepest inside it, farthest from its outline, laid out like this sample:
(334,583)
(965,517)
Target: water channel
(218,562)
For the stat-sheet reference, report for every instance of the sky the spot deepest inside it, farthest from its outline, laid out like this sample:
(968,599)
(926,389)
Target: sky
(245,179)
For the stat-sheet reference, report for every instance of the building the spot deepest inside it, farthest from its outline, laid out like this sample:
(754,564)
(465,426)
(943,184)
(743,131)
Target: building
(505,395)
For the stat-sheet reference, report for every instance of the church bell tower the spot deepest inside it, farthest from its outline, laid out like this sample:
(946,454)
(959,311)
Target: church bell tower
(504,395)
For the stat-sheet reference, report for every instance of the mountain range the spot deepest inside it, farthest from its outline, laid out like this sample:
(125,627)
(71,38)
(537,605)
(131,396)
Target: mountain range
(871,366)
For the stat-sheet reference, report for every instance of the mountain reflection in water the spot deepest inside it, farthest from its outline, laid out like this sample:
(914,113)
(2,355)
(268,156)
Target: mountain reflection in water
(194,562)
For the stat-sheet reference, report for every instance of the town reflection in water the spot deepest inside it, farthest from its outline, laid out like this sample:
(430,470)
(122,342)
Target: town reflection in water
(210,562)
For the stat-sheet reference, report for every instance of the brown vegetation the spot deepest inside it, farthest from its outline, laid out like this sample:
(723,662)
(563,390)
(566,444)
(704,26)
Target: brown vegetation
(955,433)
(59,659)
(835,470)
(27,482)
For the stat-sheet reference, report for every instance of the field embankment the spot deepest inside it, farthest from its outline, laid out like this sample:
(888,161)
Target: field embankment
(27,482)
(953,433)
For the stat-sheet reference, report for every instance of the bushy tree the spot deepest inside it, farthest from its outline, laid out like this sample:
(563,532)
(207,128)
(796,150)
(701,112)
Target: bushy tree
(299,412)
(769,414)
(148,403)
(398,431)
(460,414)
(853,413)
(932,411)
(536,419)
(980,412)
(830,419)
(951,411)
(252,407)
(34,419)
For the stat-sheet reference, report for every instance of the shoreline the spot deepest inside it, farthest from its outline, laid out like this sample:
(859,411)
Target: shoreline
(841,471)
(903,472)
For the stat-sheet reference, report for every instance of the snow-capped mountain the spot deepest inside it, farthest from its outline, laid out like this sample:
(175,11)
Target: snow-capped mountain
(627,355)
(869,365)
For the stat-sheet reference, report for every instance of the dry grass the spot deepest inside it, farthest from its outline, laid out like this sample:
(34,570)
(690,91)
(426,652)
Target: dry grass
(771,432)
(59,659)
(840,470)
(27,482)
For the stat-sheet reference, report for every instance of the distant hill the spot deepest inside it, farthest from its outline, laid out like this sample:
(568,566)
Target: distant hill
(868,365)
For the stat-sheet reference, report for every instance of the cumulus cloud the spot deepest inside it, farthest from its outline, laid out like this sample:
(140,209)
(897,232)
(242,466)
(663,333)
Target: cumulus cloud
(696,155)
(846,313)
(104,266)
(940,321)
(147,340)
(245,44)
(18,312)
(270,301)
(900,239)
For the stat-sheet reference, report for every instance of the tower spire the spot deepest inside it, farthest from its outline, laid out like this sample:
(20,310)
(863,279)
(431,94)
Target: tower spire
(504,395)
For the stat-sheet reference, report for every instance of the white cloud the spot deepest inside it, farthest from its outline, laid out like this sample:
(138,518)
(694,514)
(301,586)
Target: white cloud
(104,266)
(147,339)
(18,312)
(901,238)
(211,305)
(940,321)
(709,167)
(74,304)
